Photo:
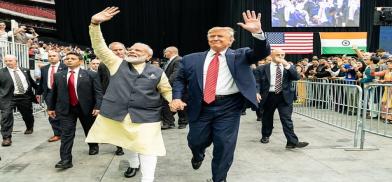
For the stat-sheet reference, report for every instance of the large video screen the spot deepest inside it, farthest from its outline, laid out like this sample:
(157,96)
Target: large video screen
(315,13)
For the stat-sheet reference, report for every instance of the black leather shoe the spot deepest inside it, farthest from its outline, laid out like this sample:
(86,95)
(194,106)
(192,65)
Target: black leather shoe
(6,142)
(130,172)
(119,151)
(264,140)
(166,126)
(94,150)
(28,131)
(181,126)
(196,164)
(298,145)
(64,164)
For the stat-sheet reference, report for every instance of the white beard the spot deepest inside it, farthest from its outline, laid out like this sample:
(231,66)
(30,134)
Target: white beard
(136,60)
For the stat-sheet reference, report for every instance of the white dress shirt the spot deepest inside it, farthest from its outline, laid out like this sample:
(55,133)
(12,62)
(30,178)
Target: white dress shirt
(273,75)
(225,83)
(22,78)
(76,76)
(56,67)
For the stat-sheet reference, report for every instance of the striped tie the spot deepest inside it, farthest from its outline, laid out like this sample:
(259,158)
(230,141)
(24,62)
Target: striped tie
(19,84)
(211,79)
(278,82)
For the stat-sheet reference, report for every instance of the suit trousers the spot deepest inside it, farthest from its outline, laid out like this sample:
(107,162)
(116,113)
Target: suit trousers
(218,123)
(68,128)
(25,107)
(55,123)
(168,116)
(276,101)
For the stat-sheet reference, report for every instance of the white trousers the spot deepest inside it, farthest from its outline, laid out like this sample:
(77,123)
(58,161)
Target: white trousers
(147,164)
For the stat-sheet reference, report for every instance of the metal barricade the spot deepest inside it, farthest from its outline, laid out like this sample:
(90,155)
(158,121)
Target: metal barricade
(337,104)
(21,51)
(377,112)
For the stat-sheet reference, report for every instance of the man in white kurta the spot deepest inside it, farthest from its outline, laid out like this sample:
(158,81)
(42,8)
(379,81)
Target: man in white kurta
(143,139)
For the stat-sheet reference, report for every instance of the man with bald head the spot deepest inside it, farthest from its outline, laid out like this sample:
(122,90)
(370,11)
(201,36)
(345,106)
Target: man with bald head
(275,92)
(15,92)
(130,111)
(170,68)
(45,86)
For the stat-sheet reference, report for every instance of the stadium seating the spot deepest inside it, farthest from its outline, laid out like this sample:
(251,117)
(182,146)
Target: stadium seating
(29,10)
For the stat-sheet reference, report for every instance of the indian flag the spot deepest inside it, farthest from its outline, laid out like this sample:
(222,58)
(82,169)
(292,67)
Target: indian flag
(342,42)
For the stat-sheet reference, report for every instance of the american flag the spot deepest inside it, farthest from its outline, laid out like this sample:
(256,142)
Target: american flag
(291,42)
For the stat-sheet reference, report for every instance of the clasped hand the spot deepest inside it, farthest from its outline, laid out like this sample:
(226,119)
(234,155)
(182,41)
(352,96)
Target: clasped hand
(177,104)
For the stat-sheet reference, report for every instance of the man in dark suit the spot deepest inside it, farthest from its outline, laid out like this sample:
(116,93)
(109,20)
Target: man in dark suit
(119,50)
(45,85)
(274,83)
(76,94)
(170,69)
(215,102)
(15,92)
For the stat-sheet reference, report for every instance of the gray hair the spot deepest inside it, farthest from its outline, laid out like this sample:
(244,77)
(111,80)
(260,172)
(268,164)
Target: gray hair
(148,48)
(173,49)
(116,43)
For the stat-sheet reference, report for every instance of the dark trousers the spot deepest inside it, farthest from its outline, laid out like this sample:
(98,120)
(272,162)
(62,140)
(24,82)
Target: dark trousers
(273,102)
(168,116)
(218,123)
(68,127)
(25,107)
(55,123)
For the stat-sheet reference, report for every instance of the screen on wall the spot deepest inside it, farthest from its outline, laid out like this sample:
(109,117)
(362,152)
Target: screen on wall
(315,13)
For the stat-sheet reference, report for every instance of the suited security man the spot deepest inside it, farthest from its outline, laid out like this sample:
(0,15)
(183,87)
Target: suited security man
(274,82)
(15,92)
(218,83)
(46,84)
(76,94)
(170,69)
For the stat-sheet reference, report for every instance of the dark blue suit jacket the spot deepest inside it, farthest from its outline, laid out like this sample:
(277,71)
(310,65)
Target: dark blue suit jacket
(43,82)
(190,75)
(263,78)
(89,92)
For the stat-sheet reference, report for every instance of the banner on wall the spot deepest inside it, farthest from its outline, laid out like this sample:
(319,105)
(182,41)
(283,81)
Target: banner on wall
(342,42)
(386,38)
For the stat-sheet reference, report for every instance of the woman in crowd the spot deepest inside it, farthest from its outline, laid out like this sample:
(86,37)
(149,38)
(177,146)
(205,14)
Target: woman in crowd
(386,101)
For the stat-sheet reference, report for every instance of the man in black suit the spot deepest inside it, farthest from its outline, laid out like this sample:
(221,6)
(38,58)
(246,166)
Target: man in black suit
(46,84)
(275,92)
(76,94)
(170,68)
(15,92)
(119,50)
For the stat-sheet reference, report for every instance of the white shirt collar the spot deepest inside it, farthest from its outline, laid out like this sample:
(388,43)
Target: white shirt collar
(274,64)
(56,65)
(76,70)
(212,52)
(11,70)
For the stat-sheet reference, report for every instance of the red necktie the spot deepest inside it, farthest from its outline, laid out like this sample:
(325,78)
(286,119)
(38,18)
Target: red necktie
(52,76)
(211,79)
(73,99)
